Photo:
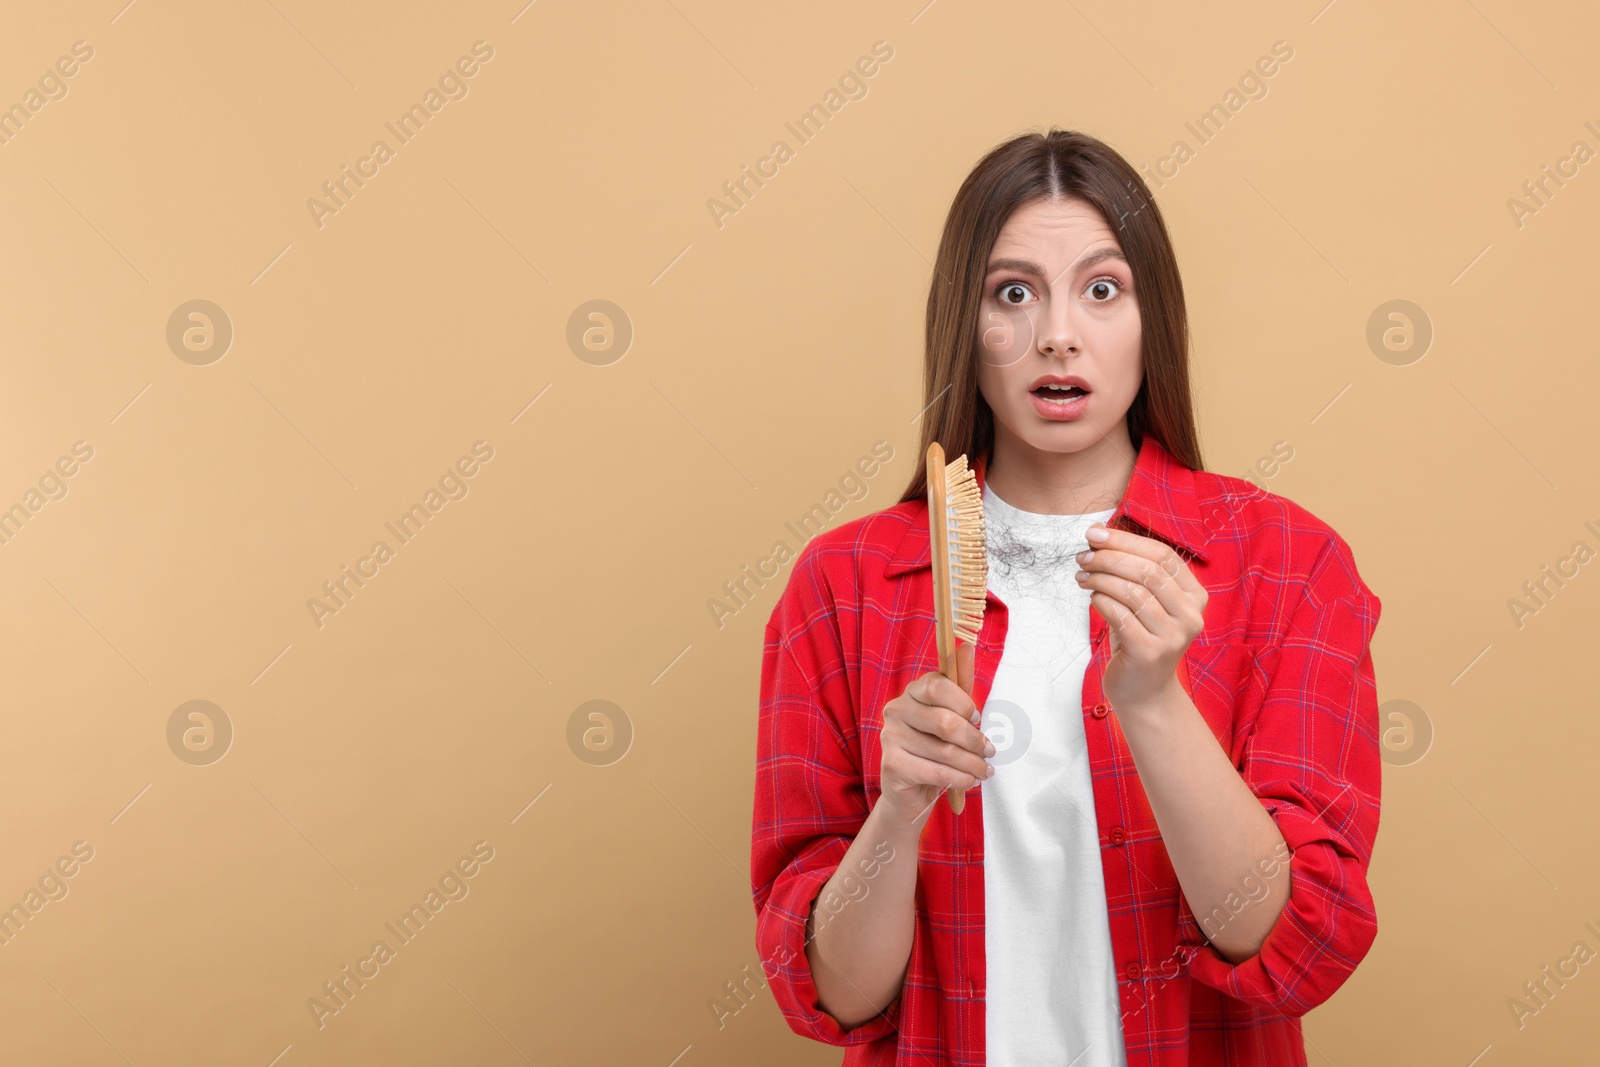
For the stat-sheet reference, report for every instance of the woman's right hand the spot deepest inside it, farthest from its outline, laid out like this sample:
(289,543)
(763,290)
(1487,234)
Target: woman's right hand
(931,741)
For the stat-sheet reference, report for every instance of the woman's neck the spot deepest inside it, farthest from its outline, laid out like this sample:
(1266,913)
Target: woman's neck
(1061,483)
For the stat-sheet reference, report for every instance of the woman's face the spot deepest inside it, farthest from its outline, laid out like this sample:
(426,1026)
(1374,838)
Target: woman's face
(1058,304)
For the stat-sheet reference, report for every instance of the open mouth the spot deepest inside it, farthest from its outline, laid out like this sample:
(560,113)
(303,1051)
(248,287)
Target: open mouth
(1059,394)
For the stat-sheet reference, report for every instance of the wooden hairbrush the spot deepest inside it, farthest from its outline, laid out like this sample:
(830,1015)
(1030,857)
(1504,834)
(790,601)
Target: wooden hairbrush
(960,563)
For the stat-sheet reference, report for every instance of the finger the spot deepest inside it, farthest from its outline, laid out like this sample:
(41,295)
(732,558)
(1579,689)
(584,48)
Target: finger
(1138,584)
(1128,600)
(1158,552)
(937,750)
(1142,570)
(946,725)
(935,690)
(919,771)
(1124,624)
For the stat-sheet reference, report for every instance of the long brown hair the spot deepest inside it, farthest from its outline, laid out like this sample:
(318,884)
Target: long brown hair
(1054,165)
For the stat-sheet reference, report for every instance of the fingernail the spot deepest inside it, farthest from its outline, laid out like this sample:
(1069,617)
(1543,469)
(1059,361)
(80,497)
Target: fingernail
(1098,534)
(988,748)
(990,772)
(977,717)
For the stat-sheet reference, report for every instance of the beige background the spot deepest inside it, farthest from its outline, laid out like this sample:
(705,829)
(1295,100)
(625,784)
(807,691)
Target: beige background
(768,355)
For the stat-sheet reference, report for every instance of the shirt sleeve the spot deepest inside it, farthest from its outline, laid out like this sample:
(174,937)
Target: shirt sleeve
(1312,758)
(809,798)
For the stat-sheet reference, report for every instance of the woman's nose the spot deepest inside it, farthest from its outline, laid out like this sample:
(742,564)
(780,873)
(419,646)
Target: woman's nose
(1057,331)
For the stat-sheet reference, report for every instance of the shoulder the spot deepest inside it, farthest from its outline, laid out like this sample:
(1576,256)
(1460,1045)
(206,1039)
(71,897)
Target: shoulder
(841,564)
(873,536)
(1268,538)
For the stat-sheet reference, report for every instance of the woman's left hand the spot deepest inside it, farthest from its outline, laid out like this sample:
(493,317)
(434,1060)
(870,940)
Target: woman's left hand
(1154,606)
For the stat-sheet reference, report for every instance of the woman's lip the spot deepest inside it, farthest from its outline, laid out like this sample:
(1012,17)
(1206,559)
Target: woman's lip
(1059,379)
(1059,411)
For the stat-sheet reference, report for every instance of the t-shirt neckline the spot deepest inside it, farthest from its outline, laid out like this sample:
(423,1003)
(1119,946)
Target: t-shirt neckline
(1015,516)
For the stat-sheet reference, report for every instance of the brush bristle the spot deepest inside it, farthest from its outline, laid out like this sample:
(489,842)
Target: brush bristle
(969,556)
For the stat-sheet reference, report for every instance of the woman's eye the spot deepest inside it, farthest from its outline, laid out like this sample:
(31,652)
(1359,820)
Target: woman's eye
(1099,287)
(1012,293)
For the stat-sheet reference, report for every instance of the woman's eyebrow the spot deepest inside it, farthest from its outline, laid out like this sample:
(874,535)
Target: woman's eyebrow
(1084,261)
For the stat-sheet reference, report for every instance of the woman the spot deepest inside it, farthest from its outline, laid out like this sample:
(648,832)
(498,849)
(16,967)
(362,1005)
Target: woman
(1163,856)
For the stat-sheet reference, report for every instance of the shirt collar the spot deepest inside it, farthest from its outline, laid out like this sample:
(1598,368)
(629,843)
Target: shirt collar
(1160,497)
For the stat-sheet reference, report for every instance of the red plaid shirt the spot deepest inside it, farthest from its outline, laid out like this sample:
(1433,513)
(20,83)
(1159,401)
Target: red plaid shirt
(1282,674)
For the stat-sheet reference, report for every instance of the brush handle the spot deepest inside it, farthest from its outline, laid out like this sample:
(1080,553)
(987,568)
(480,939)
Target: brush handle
(947,667)
(939,548)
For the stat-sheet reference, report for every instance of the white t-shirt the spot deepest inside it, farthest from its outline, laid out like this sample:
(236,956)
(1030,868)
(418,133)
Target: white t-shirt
(1052,984)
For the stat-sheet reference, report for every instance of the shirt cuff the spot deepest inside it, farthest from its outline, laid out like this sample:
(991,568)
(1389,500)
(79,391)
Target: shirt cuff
(781,935)
(1326,926)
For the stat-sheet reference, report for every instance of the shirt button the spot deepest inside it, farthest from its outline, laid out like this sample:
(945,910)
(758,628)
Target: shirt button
(1117,836)
(1099,710)
(1133,971)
